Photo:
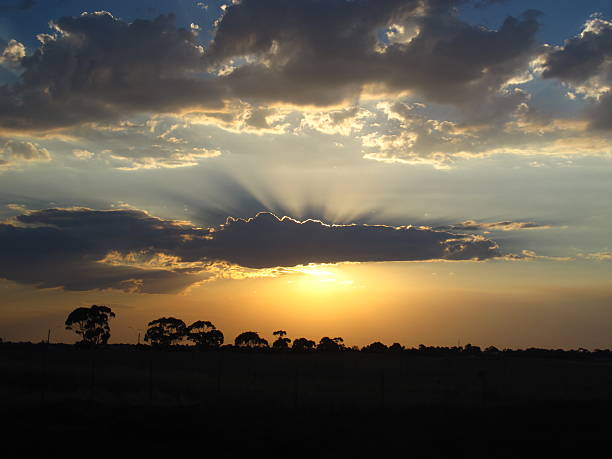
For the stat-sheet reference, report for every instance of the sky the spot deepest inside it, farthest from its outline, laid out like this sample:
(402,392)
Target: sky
(417,171)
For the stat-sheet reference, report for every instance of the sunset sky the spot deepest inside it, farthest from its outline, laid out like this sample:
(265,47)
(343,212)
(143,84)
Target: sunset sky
(419,171)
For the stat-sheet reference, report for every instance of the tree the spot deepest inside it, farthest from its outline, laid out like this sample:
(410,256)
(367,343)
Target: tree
(303,344)
(396,347)
(376,346)
(281,342)
(469,349)
(250,339)
(205,335)
(330,345)
(91,323)
(165,331)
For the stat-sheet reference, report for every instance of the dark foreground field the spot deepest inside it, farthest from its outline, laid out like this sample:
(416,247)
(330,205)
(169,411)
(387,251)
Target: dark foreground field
(227,404)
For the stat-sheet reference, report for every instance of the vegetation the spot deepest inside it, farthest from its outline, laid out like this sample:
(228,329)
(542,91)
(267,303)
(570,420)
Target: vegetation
(281,342)
(91,324)
(205,335)
(166,331)
(250,340)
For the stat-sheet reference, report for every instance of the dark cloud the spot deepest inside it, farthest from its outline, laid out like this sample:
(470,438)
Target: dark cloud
(96,67)
(65,248)
(585,63)
(583,56)
(267,241)
(82,249)
(321,53)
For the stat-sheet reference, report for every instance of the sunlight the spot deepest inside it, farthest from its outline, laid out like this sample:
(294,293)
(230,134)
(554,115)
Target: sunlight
(320,277)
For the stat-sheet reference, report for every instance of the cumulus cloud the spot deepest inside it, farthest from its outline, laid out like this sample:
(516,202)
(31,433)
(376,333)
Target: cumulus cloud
(12,54)
(127,249)
(96,67)
(14,152)
(343,122)
(82,154)
(306,52)
(265,52)
(328,60)
(406,133)
(584,63)
(242,117)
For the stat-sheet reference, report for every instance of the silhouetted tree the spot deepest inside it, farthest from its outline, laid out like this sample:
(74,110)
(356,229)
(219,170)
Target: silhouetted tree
(250,339)
(469,349)
(281,342)
(376,346)
(205,335)
(303,344)
(396,347)
(330,345)
(165,331)
(91,323)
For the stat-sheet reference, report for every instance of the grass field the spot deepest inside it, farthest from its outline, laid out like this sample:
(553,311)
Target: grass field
(348,404)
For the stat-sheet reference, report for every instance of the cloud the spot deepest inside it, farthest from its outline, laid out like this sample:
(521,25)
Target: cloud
(96,67)
(598,256)
(152,144)
(342,122)
(77,249)
(12,54)
(267,241)
(584,63)
(406,133)
(241,117)
(471,225)
(80,153)
(14,152)
(307,52)
(128,249)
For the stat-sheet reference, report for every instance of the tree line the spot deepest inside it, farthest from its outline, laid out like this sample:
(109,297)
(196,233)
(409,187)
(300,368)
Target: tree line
(92,325)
